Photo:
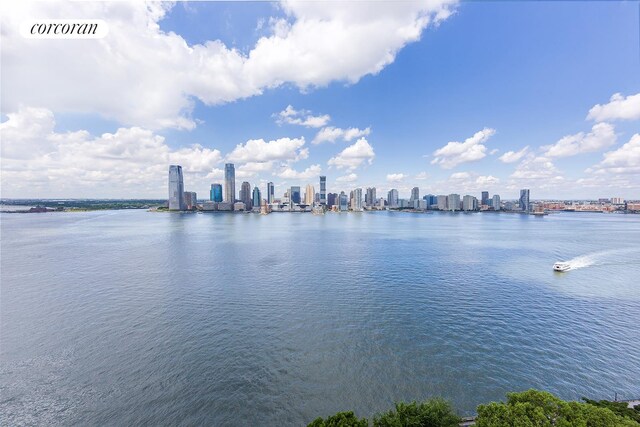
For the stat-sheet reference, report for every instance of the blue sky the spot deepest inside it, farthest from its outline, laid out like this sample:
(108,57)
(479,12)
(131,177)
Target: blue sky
(528,72)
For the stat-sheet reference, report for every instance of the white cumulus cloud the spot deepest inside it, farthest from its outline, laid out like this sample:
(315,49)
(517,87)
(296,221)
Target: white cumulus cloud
(128,163)
(311,172)
(471,150)
(618,108)
(514,156)
(602,135)
(396,177)
(352,177)
(331,134)
(353,156)
(301,117)
(144,76)
(624,160)
(259,150)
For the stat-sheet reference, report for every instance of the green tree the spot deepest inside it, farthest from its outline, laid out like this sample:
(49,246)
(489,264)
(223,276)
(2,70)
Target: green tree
(618,408)
(431,413)
(341,419)
(535,408)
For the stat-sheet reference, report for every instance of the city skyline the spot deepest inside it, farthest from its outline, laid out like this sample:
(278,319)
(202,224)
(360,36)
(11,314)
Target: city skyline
(451,96)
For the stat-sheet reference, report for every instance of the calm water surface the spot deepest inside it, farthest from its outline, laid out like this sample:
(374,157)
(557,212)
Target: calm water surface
(132,317)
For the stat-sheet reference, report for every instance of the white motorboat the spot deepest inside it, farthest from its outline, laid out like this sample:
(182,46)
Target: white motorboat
(561,266)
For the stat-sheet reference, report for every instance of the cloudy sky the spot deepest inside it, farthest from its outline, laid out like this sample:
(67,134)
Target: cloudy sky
(446,96)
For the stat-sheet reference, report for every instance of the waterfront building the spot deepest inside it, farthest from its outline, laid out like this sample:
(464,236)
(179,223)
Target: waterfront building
(190,200)
(239,206)
(294,195)
(485,198)
(332,199)
(229,183)
(392,198)
(356,200)
(381,202)
(225,206)
(495,202)
(343,202)
(470,203)
(309,194)
(270,192)
(453,202)
(524,200)
(215,194)
(370,196)
(323,190)
(617,200)
(415,194)
(209,205)
(176,188)
(256,199)
(245,195)
(442,202)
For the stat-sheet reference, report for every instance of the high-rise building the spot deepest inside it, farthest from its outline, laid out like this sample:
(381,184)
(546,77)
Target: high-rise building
(392,198)
(256,199)
(190,200)
(323,190)
(485,198)
(356,200)
(229,183)
(442,202)
(245,195)
(495,202)
(415,194)
(370,197)
(524,200)
(431,200)
(309,194)
(469,203)
(453,202)
(343,201)
(215,195)
(332,199)
(176,188)
(294,194)
(270,192)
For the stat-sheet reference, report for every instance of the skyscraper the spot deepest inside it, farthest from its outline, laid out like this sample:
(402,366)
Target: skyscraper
(256,199)
(215,195)
(442,202)
(371,196)
(469,203)
(356,200)
(229,183)
(295,194)
(309,194)
(485,198)
(343,201)
(323,190)
(270,192)
(524,200)
(332,199)
(495,202)
(453,202)
(245,195)
(415,194)
(392,198)
(176,188)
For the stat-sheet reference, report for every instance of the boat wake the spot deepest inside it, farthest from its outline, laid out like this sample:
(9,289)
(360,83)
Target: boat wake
(613,256)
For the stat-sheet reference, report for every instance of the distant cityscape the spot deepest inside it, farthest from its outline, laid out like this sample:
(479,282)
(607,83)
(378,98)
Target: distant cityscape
(293,200)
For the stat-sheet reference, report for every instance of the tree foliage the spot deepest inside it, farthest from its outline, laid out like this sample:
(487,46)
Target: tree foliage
(618,408)
(341,419)
(541,409)
(431,413)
